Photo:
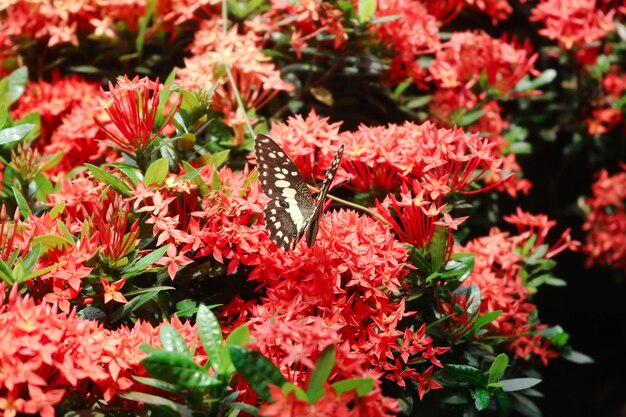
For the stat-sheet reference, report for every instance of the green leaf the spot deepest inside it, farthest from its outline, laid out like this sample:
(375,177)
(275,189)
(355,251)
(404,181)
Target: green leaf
(156,400)
(129,171)
(139,265)
(178,369)
(546,77)
(110,179)
(17,85)
(367,10)
(211,336)
(470,117)
(466,374)
(52,160)
(258,371)
(497,368)
(577,357)
(300,394)
(172,341)
(218,159)
(30,260)
(363,386)
(320,374)
(48,242)
(485,319)
(193,174)
(134,304)
(482,398)
(157,383)
(503,402)
(156,172)
(4,114)
(21,203)
(5,273)
(518,384)
(56,210)
(15,133)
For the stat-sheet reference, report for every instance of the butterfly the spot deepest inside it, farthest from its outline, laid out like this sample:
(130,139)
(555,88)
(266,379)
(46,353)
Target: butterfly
(291,212)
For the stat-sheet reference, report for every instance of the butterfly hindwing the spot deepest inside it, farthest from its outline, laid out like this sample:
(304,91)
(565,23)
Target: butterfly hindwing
(312,224)
(291,204)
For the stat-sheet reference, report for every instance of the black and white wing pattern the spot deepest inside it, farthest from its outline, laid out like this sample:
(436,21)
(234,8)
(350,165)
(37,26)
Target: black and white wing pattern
(291,211)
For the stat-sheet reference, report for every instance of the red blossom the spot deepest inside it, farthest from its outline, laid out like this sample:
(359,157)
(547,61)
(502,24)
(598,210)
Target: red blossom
(573,24)
(498,264)
(112,290)
(606,221)
(132,107)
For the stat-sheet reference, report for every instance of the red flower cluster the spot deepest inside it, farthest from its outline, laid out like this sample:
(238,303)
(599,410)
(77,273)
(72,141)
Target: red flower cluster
(411,32)
(45,356)
(73,22)
(573,24)
(342,286)
(605,116)
(257,79)
(442,160)
(606,221)
(308,20)
(498,265)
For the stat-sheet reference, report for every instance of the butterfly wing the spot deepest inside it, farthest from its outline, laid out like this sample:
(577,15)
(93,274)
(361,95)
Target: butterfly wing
(311,226)
(291,205)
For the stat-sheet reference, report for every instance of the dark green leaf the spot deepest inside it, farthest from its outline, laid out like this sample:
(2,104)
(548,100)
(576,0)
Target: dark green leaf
(503,402)
(134,304)
(525,405)
(256,370)
(143,263)
(157,383)
(172,340)
(178,369)
(156,400)
(485,319)
(465,373)
(31,258)
(246,408)
(518,384)
(110,179)
(320,374)
(497,368)
(211,336)
(5,273)
(482,398)
(363,386)
(15,133)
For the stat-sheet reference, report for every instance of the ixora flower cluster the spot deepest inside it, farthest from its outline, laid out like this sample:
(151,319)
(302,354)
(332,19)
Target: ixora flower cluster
(131,203)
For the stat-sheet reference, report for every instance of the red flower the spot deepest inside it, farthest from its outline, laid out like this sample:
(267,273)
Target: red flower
(132,107)
(112,290)
(573,24)
(606,221)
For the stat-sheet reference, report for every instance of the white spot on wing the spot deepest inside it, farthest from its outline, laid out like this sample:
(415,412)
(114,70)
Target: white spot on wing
(289,194)
(282,184)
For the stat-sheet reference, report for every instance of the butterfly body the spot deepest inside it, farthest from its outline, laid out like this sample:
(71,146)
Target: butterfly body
(291,212)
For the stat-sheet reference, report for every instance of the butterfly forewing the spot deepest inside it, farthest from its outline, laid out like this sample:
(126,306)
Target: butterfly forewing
(291,204)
